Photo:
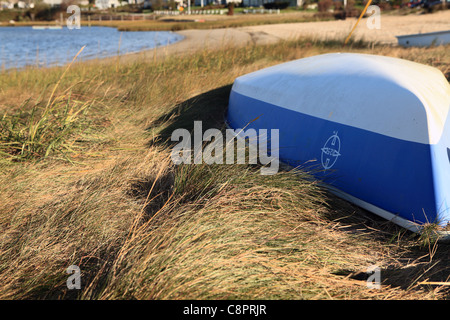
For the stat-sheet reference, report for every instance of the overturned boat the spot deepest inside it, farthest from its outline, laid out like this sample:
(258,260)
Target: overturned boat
(377,129)
(424,39)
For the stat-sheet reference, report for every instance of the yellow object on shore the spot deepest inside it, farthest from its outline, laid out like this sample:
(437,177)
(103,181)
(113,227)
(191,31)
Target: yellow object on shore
(359,19)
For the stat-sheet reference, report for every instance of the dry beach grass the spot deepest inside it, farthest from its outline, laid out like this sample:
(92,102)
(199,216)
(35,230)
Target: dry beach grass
(102,193)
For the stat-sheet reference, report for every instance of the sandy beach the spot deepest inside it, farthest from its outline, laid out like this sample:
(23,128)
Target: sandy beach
(391,26)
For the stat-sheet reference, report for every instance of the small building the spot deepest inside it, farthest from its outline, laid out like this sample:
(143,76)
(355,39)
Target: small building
(53,3)
(106,4)
(215,2)
(6,5)
(260,3)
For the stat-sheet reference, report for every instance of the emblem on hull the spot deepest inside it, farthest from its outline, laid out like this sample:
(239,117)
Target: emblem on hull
(331,151)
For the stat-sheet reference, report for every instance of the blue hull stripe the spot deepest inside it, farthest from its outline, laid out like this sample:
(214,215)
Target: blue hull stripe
(441,173)
(389,173)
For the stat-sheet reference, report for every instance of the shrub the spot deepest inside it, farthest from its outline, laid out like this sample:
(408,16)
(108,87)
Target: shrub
(42,11)
(324,5)
(384,6)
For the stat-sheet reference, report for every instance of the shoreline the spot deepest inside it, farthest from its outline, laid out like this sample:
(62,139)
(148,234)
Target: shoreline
(195,40)
(391,26)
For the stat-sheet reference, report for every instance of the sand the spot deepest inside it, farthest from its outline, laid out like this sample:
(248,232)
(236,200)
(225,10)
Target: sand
(391,26)
(195,40)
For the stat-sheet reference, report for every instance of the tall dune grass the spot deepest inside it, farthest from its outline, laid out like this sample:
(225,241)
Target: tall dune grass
(140,227)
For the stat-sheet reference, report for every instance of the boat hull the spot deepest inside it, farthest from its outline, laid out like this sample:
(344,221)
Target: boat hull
(425,39)
(385,171)
(403,181)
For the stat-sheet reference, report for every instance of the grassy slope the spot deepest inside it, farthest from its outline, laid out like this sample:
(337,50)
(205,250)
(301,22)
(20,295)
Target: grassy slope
(228,22)
(96,188)
(207,22)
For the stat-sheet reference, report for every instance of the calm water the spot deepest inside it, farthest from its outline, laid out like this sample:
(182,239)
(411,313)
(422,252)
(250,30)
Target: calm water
(21,46)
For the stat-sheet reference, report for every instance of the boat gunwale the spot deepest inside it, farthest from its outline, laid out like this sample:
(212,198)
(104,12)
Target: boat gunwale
(422,34)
